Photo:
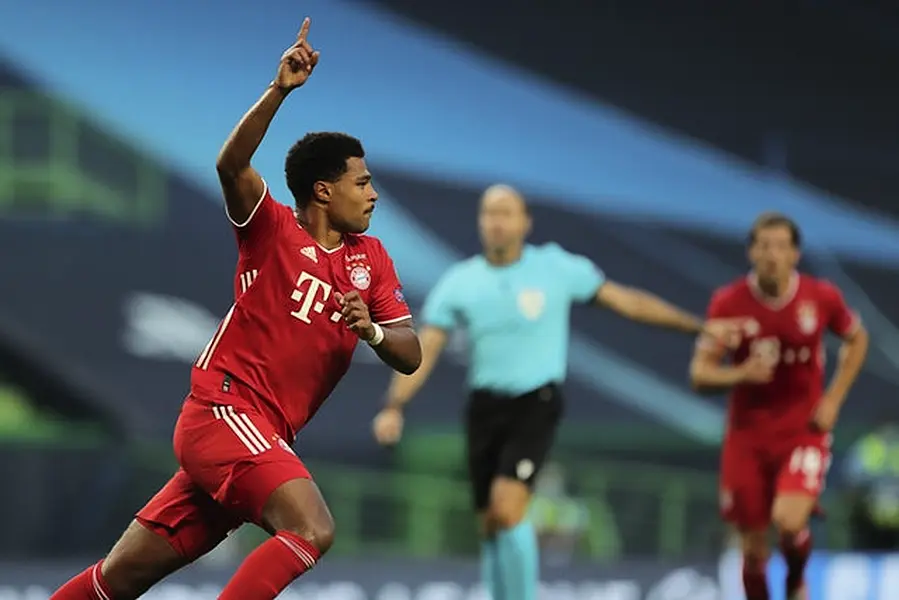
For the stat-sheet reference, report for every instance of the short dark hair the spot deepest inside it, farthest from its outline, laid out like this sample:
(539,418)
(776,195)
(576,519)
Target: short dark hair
(318,156)
(775,219)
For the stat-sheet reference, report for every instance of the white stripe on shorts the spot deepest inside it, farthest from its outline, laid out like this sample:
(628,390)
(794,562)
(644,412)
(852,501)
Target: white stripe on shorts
(241,425)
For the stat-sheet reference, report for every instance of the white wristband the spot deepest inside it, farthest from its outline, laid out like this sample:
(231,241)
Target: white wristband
(378,337)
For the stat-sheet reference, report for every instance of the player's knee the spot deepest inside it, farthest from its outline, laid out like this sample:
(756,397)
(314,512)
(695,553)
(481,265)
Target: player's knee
(316,528)
(755,547)
(298,507)
(790,514)
(126,578)
(137,561)
(487,524)
(507,515)
(319,533)
(508,503)
(789,522)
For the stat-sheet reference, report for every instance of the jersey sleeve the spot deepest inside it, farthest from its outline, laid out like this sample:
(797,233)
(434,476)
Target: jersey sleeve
(582,278)
(719,308)
(441,309)
(841,319)
(387,304)
(265,220)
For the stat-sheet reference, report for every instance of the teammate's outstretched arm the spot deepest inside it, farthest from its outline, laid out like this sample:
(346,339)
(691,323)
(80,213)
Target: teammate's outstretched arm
(709,375)
(242,186)
(388,425)
(708,372)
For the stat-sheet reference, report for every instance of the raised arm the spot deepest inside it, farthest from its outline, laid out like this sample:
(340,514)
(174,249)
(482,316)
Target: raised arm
(242,186)
(708,373)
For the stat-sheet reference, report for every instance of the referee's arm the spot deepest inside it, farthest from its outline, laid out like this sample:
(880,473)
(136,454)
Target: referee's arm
(643,307)
(403,387)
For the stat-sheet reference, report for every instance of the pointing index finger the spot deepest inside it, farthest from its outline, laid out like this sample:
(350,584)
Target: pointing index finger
(304,30)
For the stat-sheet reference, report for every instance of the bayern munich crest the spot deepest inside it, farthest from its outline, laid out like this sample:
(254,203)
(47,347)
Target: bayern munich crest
(360,277)
(807,318)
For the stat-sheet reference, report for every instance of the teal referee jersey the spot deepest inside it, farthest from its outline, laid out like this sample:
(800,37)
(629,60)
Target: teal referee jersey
(516,316)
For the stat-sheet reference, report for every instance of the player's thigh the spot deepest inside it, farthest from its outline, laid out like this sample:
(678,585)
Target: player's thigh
(297,506)
(746,489)
(525,450)
(179,524)
(187,518)
(484,438)
(800,482)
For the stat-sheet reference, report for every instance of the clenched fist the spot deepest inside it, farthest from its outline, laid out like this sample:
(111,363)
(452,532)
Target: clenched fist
(388,426)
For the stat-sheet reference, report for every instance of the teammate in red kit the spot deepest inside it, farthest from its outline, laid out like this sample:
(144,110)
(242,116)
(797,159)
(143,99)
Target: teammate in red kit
(309,286)
(777,446)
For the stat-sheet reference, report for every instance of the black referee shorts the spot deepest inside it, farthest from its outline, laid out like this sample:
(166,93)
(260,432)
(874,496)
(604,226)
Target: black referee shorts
(509,436)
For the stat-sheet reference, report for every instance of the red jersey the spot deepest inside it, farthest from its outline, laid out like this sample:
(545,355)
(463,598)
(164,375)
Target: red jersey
(790,334)
(284,338)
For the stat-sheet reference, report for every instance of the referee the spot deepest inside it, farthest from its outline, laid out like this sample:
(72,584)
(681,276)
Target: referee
(514,301)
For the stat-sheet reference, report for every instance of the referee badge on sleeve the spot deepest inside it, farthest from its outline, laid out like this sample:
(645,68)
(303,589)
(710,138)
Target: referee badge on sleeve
(531,303)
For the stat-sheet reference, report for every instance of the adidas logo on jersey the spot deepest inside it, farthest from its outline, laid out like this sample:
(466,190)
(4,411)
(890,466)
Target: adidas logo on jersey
(309,252)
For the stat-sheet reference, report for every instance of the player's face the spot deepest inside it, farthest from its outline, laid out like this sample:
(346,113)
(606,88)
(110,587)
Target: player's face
(773,254)
(503,221)
(353,199)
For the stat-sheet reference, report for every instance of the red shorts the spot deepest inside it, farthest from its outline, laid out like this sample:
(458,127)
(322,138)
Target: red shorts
(753,473)
(231,460)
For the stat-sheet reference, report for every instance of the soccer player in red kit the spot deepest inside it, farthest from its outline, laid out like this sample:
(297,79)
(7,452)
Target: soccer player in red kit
(777,445)
(309,286)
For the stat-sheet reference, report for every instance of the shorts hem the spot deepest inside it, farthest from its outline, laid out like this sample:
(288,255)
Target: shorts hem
(166,534)
(269,477)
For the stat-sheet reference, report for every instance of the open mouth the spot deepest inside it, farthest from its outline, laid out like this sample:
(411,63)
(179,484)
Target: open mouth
(368,211)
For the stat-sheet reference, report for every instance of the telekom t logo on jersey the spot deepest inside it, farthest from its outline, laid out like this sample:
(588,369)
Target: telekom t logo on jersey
(313,299)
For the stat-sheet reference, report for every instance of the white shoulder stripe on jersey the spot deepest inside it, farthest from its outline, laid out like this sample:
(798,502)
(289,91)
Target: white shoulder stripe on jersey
(247,279)
(252,212)
(242,427)
(392,321)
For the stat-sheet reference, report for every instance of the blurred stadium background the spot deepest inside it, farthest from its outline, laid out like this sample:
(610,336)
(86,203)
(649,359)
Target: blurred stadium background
(647,134)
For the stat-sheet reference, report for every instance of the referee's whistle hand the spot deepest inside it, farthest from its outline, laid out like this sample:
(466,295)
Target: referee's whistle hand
(388,426)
